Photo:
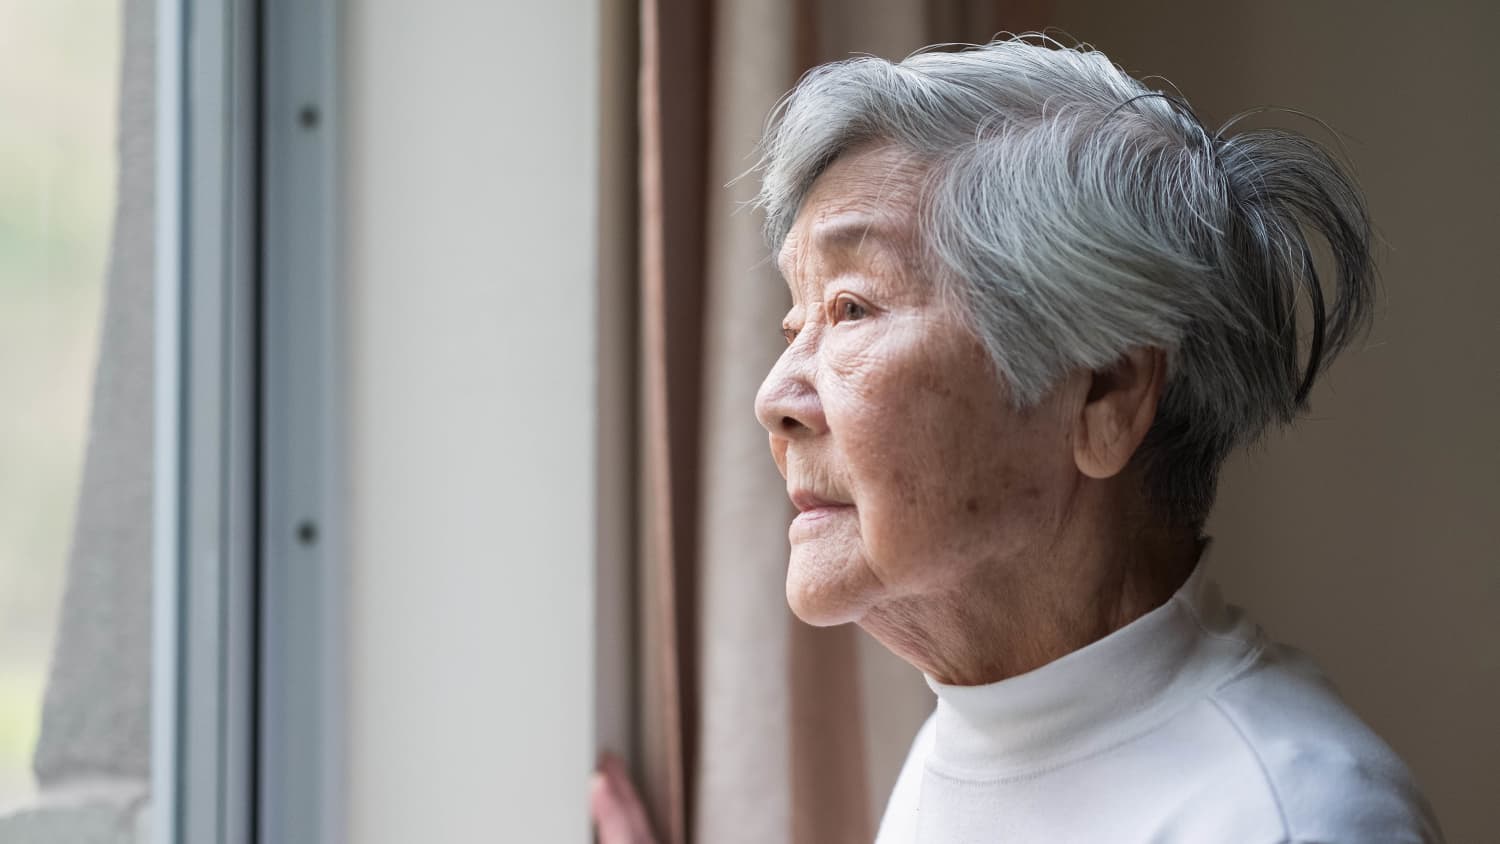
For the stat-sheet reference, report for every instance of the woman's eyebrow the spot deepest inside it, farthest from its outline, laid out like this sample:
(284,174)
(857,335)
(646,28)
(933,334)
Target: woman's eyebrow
(847,232)
(845,237)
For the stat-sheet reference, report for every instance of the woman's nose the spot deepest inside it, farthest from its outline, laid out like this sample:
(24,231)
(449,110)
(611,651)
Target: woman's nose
(788,406)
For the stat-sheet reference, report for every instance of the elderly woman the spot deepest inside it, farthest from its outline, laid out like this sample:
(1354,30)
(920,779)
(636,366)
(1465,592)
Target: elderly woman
(1034,307)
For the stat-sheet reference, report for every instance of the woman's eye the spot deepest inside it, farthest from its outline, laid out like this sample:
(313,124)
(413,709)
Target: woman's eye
(848,309)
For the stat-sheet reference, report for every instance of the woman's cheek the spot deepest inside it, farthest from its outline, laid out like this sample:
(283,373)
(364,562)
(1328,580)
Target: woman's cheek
(851,361)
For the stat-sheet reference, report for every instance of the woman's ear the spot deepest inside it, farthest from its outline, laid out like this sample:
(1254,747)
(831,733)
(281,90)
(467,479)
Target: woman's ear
(1118,411)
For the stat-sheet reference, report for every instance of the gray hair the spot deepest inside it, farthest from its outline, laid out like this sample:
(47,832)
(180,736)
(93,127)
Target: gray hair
(1076,214)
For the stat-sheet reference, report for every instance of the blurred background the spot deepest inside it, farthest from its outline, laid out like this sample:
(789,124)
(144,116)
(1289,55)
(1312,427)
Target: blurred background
(563,531)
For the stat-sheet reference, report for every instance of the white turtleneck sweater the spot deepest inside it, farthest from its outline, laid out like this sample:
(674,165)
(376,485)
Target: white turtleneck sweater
(1186,726)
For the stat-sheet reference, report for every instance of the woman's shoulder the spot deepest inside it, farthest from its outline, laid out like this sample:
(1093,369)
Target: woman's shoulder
(1331,775)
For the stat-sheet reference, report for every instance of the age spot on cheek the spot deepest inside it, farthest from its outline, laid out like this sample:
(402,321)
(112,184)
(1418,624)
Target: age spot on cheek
(972,505)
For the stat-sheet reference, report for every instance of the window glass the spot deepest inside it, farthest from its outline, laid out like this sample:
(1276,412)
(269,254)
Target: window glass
(60,84)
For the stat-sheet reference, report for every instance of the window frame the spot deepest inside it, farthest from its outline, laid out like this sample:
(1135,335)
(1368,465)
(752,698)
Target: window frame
(247,607)
(303,560)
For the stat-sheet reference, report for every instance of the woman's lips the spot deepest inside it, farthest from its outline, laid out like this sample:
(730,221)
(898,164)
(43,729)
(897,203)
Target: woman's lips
(814,519)
(822,512)
(816,512)
(806,500)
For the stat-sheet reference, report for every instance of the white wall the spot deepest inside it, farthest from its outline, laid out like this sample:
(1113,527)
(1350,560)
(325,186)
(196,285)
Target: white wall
(470,185)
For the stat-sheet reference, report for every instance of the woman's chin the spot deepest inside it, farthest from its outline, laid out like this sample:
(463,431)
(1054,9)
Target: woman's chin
(827,589)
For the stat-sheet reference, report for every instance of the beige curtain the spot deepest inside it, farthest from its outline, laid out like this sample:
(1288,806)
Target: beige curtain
(754,727)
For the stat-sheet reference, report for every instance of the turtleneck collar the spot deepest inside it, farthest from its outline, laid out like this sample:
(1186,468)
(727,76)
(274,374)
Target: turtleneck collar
(1099,695)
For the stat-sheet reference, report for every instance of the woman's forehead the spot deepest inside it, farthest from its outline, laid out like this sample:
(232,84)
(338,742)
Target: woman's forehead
(873,179)
(866,198)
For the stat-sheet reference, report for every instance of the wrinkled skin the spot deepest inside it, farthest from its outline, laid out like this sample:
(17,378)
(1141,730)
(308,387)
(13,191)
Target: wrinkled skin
(979,541)
(895,409)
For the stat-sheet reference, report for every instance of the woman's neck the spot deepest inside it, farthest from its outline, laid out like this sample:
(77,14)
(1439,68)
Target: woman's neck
(1013,616)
